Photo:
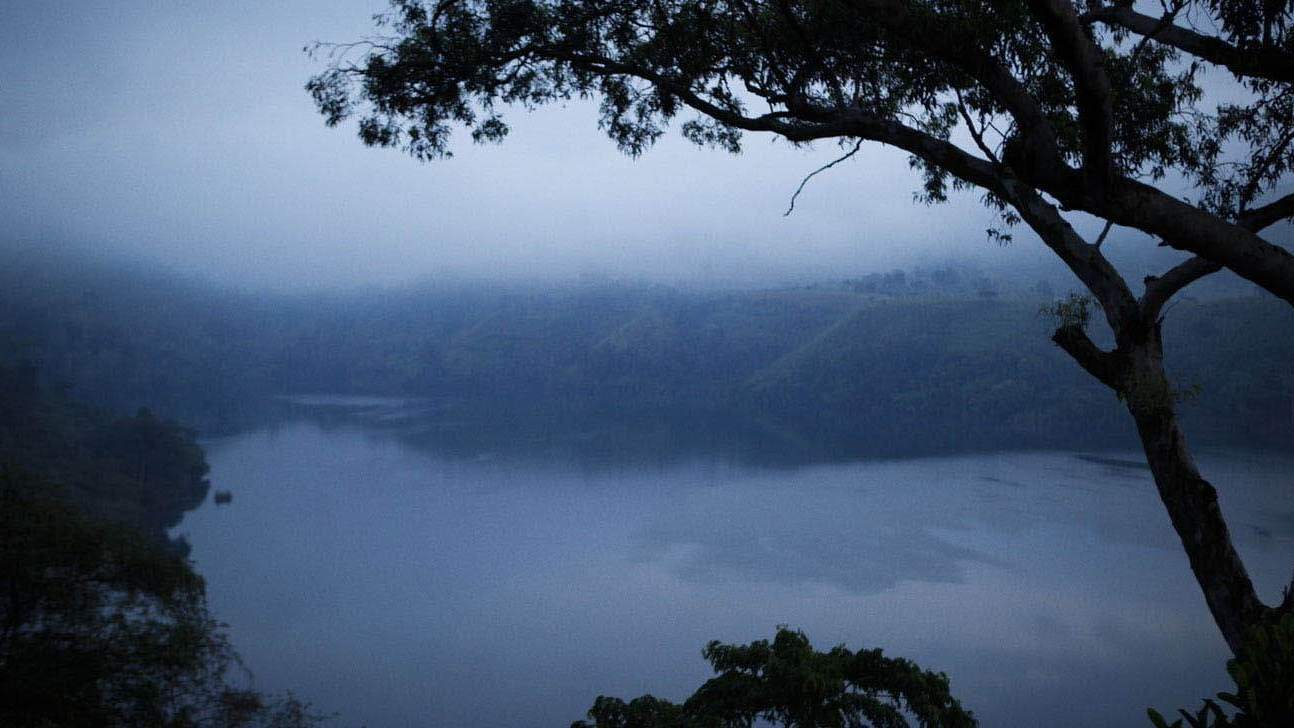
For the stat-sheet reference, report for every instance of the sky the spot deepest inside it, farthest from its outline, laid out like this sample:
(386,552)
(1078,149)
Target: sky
(178,134)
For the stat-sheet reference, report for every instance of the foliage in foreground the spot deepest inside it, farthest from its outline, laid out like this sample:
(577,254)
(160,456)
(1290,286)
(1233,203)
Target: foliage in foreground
(1264,675)
(140,471)
(788,683)
(101,626)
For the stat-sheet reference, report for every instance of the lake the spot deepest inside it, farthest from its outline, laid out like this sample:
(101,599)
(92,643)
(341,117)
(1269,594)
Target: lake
(399,582)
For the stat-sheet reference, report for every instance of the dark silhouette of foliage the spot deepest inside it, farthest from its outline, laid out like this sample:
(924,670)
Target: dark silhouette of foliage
(103,621)
(138,470)
(99,626)
(788,683)
(1263,672)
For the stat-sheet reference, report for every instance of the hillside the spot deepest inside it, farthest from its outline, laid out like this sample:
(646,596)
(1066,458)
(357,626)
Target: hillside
(902,363)
(136,470)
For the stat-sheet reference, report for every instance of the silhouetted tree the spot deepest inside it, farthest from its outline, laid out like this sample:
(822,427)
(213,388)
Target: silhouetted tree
(1057,106)
(100,626)
(788,683)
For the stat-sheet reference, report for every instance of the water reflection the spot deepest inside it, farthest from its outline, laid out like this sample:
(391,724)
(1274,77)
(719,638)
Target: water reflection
(806,531)
(612,439)
(405,585)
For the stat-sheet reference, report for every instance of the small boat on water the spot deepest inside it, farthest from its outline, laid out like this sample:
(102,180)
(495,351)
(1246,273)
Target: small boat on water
(223,497)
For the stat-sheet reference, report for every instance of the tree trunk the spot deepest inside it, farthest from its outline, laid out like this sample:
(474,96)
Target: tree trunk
(1192,503)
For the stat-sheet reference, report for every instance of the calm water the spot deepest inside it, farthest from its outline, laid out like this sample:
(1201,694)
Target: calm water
(400,585)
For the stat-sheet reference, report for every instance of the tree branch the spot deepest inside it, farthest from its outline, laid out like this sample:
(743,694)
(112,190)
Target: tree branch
(1160,289)
(1086,261)
(812,122)
(1105,231)
(976,133)
(1259,218)
(1185,227)
(1265,62)
(1130,203)
(1103,365)
(945,39)
(791,208)
(1082,58)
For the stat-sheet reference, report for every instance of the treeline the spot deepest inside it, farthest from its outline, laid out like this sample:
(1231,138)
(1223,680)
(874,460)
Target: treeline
(103,621)
(850,367)
(135,470)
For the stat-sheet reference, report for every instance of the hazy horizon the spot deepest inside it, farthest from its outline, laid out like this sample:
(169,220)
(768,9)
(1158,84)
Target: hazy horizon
(180,138)
(361,438)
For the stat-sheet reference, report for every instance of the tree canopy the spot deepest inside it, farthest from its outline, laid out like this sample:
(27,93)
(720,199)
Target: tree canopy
(1085,104)
(786,682)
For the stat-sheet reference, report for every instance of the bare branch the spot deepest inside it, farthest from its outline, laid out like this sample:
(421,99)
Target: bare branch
(1105,366)
(1259,218)
(1086,261)
(1100,239)
(1165,21)
(976,133)
(857,145)
(1160,289)
(1186,227)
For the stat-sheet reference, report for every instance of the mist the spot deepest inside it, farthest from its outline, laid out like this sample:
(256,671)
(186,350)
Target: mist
(486,439)
(180,136)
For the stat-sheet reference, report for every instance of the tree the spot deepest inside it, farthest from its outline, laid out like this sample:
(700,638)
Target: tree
(788,683)
(1044,106)
(100,625)
(1263,671)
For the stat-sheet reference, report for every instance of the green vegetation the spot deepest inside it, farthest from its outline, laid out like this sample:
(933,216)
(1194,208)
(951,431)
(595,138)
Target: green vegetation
(103,622)
(788,683)
(135,470)
(887,365)
(101,627)
(859,367)
(1263,672)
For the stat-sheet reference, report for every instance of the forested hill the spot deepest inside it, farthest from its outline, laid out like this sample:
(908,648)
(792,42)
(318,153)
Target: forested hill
(917,361)
(135,470)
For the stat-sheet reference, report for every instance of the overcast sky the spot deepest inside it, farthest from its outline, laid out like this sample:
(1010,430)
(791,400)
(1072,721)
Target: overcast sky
(179,133)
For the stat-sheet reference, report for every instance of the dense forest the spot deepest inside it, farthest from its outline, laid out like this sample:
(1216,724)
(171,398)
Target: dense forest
(103,620)
(135,470)
(937,359)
